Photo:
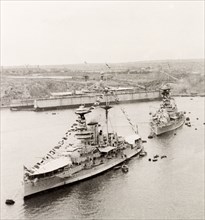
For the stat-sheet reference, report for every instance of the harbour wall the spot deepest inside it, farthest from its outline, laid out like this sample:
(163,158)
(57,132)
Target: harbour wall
(88,100)
(21,104)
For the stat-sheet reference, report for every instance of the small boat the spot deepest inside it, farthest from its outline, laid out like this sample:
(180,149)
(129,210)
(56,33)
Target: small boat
(150,136)
(10,202)
(125,168)
(143,153)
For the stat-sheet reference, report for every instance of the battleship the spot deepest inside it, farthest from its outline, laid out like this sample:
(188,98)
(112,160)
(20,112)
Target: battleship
(85,151)
(167,117)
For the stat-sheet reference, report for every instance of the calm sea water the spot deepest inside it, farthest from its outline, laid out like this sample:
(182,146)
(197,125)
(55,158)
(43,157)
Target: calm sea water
(172,188)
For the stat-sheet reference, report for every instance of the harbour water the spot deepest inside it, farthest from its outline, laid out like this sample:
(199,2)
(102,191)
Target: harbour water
(171,188)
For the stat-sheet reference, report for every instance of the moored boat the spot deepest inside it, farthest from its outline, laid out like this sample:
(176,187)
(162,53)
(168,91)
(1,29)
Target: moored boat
(167,117)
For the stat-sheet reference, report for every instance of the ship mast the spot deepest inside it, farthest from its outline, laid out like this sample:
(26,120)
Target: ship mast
(106,107)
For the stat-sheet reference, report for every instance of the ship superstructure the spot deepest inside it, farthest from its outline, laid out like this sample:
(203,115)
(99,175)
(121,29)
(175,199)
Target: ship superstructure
(167,117)
(84,152)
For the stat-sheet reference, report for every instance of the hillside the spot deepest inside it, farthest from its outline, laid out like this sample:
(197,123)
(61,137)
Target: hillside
(30,82)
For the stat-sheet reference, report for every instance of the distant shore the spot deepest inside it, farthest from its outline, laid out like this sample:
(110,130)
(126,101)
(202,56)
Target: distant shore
(30,83)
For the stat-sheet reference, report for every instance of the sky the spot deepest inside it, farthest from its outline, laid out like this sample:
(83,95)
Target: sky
(67,32)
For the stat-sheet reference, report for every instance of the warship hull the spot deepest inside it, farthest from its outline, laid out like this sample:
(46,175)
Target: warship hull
(158,130)
(45,184)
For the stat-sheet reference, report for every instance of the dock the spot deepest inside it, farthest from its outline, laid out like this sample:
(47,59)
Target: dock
(73,101)
(89,99)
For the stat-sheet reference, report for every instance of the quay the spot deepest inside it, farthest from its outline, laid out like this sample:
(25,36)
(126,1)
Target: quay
(74,101)
(87,99)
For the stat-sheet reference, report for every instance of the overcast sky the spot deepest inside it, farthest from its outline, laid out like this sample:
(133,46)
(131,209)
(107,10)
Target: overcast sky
(65,32)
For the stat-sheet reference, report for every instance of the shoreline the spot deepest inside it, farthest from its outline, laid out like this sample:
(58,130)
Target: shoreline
(31,108)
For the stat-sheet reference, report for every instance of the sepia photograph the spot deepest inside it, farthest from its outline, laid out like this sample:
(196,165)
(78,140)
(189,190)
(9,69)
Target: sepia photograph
(102,109)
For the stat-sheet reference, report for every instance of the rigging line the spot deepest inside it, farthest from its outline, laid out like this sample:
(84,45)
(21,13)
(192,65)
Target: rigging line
(170,76)
(126,115)
(129,122)
(18,191)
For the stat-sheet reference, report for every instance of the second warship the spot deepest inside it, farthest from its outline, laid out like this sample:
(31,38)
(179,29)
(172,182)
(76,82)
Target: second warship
(167,117)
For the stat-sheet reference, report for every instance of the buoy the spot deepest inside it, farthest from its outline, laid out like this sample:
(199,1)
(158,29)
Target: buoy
(149,159)
(10,202)
(125,168)
(197,118)
(150,136)
(154,160)
(195,128)
(187,119)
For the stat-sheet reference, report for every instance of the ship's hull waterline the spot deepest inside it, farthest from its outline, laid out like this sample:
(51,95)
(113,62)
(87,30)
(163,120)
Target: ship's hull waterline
(31,188)
(161,130)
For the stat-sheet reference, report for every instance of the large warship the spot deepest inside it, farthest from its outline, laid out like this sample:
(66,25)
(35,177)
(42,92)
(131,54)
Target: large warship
(167,117)
(84,151)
